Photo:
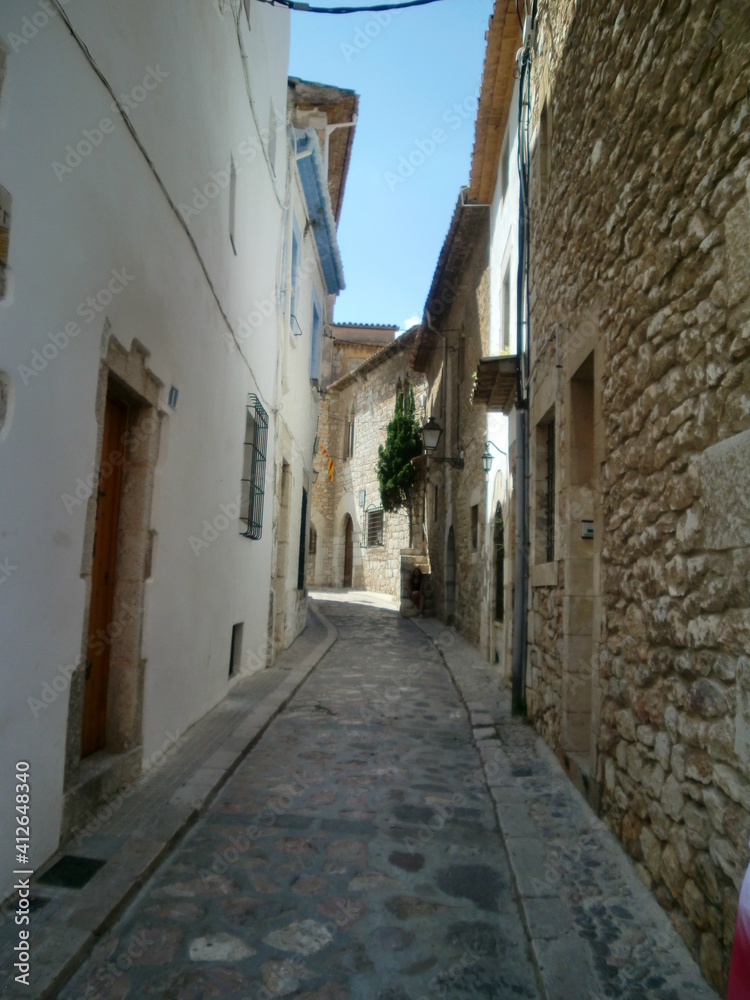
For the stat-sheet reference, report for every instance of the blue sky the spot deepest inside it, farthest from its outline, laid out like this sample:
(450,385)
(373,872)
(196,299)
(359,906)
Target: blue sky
(417,73)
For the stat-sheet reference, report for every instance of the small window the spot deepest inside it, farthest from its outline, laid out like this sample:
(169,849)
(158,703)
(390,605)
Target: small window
(505,331)
(235,652)
(374,528)
(254,469)
(349,437)
(302,543)
(313,545)
(545,489)
(475,527)
(499,565)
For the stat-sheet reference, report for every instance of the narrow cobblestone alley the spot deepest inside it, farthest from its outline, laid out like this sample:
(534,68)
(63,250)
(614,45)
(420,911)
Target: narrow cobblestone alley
(355,853)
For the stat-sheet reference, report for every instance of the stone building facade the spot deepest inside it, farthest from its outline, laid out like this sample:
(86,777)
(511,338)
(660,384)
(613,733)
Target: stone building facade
(639,626)
(348,345)
(467,348)
(356,544)
(454,338)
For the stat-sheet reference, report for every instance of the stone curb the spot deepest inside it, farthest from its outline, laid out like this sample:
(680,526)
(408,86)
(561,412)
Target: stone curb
(562,959)
(96,907)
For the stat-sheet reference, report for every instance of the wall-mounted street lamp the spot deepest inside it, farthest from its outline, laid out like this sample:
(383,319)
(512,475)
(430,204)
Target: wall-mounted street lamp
(431,436)
(487,457)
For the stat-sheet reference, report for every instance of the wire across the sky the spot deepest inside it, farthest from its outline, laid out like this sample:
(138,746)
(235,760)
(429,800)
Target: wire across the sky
(308,8)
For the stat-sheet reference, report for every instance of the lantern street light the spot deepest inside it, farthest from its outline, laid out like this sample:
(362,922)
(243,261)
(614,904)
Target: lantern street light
(487,457)
(431,435)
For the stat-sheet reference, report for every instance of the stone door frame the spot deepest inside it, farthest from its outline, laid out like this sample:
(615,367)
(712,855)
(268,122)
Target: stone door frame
(90,782)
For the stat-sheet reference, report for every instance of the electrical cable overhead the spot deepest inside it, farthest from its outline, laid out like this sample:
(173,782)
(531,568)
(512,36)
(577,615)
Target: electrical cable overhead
(308,8)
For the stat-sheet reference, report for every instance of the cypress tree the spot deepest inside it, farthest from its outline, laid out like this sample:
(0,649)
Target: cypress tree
(403,442)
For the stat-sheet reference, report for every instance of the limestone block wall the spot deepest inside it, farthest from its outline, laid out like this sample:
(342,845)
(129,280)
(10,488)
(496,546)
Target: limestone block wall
(368,398)
(345,355)
(346,345)
(640,223)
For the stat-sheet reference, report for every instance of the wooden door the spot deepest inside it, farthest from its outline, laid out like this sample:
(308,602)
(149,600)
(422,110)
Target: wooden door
(103,580)
(348,552)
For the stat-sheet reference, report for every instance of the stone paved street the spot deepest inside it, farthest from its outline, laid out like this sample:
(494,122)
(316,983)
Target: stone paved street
(355,854)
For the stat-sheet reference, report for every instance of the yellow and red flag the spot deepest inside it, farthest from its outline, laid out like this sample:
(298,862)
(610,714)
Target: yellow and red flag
(330,462)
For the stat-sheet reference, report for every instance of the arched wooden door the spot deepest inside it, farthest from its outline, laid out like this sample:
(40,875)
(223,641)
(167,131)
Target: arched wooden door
(348,550)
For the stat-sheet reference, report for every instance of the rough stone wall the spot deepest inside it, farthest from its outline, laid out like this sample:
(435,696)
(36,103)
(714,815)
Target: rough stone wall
(544,665)
(344,345)
(346,354)
(369,397)
(642,250)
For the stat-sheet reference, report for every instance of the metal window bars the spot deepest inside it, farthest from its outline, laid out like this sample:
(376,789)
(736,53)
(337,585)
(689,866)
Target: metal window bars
(374,528)
(254,469)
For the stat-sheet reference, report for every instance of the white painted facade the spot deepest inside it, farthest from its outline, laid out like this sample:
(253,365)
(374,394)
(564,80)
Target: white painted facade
(503,340)
(190,264)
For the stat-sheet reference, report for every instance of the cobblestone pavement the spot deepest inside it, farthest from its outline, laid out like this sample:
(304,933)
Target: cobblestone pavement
(596,932)
(353,854)
(395,835)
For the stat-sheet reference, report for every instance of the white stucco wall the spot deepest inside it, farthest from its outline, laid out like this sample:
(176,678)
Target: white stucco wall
(69,231)
(503,250)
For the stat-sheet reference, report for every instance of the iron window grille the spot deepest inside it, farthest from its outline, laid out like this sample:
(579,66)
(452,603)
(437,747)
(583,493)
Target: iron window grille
(313,541)
(374,528)
(254,469)
(550,498)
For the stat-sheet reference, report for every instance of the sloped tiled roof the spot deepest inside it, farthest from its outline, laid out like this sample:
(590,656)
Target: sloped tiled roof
(504,38)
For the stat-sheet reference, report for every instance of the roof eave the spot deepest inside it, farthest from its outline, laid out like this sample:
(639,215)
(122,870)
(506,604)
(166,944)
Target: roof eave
(504,37)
